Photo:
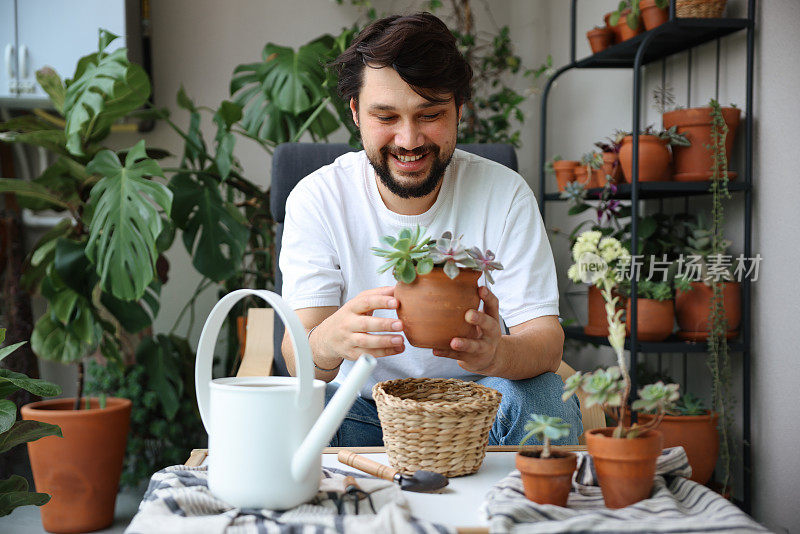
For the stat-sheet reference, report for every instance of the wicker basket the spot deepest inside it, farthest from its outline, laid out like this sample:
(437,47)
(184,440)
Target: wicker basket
(436,424)
(700,9)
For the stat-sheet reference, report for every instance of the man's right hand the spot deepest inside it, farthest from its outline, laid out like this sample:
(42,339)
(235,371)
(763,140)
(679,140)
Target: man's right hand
(346,333)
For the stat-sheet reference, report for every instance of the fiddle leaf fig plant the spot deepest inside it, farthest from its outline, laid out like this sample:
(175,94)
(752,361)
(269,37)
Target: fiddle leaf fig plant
(544,429)
(411,254)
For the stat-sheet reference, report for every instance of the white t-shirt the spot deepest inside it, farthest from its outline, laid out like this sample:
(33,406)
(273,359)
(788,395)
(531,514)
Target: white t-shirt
(335,215)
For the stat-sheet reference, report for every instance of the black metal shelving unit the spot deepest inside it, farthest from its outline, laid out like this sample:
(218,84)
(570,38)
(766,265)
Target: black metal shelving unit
(674,36)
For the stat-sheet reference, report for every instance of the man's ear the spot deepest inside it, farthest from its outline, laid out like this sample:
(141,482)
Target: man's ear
(354,110)
(460,112)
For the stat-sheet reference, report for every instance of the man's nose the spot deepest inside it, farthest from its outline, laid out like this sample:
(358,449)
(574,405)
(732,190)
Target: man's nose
(409,135)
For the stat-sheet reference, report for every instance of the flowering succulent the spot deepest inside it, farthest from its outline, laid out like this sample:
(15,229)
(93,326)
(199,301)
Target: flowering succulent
(544,429)
(607,249)
(410,254)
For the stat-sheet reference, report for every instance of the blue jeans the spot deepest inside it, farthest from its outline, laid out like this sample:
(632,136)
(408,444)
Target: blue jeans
(539,395)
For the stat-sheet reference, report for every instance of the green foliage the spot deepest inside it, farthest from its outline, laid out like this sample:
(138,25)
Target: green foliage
(593,160)
(407,254)
(656,397)
(161,433)
(14,490)
(649,289)
(688,404)
(632,16)
(544,429)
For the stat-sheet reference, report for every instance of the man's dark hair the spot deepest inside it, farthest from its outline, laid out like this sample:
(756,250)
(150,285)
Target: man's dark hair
(419,47)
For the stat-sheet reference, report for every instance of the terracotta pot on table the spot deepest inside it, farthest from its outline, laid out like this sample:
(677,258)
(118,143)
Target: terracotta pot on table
(81,470)
(547,480)
(433,307)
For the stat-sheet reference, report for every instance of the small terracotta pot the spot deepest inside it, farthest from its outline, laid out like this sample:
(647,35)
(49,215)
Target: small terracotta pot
(654,159)
(624,31)
(81,470)
(698,436)
(433,306)
(565,172)
(692,310)
(652,15)
(614,29)
(547,480)
(597,325)
(600,39)
(598,178)
(625,467)
(693,163)
(612,167)
(655,319)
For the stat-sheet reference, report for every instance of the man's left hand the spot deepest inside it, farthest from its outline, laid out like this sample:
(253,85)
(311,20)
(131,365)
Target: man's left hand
(478,355)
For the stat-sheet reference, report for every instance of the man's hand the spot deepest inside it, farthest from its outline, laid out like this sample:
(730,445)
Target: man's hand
(346,333)
(478,355)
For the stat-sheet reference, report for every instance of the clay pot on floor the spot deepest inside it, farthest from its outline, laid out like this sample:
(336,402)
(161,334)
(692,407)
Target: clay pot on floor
(81,470)
(655,319)
(600,39)
(565,172)
(625,467)
(624,31)
(652,15)
(547,480)
(692,310)
(597,179)
(693,163)
(654,159)
(612,167)
(433,307)
(597,325)
(698,436)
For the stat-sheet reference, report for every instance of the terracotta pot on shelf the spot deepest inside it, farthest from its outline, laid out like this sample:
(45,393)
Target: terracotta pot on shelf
(655,319)
(652,15)
(612,167)
(565,172)
(597,325)
(614,30)
(692,310)
(624,31)
(654,159)
(81,470)
(547,480)
(625,467)
(600,39)
(693,163)
(698,436)
(433,306)
(597,179)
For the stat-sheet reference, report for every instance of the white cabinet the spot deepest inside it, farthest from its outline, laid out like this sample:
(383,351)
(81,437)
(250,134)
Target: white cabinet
(55,33)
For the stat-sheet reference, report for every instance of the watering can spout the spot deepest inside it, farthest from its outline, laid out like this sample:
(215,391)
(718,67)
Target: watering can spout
(323,430)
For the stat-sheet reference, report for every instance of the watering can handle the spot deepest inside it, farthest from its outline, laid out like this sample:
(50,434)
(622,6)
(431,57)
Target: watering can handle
(208,340)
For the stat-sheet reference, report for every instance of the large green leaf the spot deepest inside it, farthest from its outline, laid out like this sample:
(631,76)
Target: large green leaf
(8,413)
(52,340)
(51,83)
(33,190)
(225,117)
(14,493)
(126,223)
(163,371)
(25,431)
(105,87)
(134,316)
(37,386)
(51,139)
(74,267)
(214,233)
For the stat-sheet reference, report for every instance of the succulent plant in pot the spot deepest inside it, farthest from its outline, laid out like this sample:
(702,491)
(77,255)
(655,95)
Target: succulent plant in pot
(546,474)
(654,155)
(626,20)
(590,171)
(655,313)
(624,456)
(437,283)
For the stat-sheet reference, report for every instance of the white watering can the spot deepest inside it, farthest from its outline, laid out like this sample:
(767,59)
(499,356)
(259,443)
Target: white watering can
(266,434)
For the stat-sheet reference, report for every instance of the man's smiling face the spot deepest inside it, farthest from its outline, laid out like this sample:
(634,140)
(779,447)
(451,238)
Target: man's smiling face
(408,139)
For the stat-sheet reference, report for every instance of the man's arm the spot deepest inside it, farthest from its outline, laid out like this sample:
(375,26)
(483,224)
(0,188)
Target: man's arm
(532,348)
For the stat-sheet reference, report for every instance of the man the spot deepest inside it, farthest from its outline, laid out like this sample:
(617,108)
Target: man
(407,83)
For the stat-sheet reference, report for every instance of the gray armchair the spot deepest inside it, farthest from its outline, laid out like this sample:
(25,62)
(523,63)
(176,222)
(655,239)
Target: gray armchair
(291,162)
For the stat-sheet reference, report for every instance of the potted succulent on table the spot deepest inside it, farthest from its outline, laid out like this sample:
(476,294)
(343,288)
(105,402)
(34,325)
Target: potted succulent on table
(437,283)
(14,489)
(654,156)
(624,456)
(590,171)
(546,474)
(563,169)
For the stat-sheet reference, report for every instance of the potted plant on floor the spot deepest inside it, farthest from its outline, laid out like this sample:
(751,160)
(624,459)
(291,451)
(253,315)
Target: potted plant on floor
(437,283)
(14,489)
(546,474)
(624,456)
(654,155)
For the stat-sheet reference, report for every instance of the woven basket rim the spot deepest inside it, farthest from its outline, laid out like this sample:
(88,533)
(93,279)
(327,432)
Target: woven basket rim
(491,399)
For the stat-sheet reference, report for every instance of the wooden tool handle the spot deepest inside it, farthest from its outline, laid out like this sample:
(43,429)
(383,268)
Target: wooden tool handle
(365,464)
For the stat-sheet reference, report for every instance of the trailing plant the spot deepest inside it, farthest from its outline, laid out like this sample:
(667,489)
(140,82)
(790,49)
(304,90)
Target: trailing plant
(610,387)
(14,490)
(411,254)
(719,363)
(544,429)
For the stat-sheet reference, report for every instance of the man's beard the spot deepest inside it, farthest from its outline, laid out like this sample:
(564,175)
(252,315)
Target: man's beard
(422,189)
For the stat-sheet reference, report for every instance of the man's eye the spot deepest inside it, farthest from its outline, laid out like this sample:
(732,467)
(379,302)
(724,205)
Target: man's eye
(432,116)
(385,119)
